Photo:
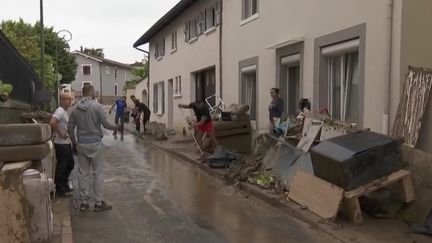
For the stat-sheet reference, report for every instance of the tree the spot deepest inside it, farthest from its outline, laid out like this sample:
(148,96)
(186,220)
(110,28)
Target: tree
(142,71)
(26,39)
(96,52)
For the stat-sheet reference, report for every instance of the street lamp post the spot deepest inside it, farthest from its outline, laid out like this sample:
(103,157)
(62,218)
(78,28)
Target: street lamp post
(66,36)
(42,43)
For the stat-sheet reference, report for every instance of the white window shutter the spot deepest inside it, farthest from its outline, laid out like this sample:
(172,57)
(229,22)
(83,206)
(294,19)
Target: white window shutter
(163,96)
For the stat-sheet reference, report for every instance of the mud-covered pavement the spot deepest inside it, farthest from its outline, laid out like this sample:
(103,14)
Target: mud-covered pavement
(159,198)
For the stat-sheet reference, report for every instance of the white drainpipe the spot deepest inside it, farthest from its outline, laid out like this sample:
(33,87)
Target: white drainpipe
(387,95)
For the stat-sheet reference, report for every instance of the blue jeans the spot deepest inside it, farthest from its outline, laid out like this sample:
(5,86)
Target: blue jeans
(119,117)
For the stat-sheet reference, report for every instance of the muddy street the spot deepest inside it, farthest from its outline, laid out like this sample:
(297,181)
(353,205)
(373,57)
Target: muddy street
(159,198)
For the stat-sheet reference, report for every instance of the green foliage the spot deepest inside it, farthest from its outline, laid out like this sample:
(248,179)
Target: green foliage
(26,38)
(96,52)
(5,88)
(142,71)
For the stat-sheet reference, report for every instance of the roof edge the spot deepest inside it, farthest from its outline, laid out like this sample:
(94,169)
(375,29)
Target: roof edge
(174,12)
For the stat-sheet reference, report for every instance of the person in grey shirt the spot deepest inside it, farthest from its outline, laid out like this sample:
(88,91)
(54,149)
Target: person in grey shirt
(87,117)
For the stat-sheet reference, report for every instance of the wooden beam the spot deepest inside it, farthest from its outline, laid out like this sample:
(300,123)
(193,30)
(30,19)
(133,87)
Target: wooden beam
(376,184)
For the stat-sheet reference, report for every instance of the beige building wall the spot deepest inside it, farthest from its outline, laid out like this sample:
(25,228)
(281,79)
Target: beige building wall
(283,20)
(417,51)
(188,58)
(141,91)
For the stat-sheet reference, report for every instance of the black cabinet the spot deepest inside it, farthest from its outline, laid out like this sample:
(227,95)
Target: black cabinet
(356,159)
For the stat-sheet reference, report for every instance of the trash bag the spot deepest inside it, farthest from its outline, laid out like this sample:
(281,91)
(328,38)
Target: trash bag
(425,229)
(221,158)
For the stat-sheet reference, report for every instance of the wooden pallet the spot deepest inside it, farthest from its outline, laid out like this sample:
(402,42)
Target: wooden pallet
(351,198)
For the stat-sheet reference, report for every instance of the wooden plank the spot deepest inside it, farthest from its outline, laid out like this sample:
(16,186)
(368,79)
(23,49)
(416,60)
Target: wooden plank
(319,196)
(376,184)
(13,220)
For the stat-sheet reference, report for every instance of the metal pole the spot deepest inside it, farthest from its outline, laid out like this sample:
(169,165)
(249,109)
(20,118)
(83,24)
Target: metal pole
(42,43)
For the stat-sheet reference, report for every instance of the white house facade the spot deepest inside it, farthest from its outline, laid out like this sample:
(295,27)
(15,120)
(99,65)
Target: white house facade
(350,57)
(184,58)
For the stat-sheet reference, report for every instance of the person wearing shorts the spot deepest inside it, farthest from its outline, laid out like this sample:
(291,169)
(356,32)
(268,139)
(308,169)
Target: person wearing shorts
(204,129)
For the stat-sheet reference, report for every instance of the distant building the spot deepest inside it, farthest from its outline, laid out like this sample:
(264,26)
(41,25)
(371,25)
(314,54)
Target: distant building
(107,76)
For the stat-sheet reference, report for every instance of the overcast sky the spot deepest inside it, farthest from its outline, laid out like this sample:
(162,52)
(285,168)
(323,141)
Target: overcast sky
(113,25)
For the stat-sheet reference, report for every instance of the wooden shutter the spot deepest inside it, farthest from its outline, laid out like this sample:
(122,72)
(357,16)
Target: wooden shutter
(155,98)
(163,97)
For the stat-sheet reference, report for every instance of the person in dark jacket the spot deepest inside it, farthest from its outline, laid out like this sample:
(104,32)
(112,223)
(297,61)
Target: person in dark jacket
(276,108)
(141,108)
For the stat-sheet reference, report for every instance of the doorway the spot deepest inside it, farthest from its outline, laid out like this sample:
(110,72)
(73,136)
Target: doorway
(205,85)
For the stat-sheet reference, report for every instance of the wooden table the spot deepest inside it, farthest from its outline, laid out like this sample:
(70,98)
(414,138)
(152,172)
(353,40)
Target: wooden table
(351,197)
(13,212)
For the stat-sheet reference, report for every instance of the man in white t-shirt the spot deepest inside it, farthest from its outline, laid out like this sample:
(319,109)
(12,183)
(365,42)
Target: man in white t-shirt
(63,146)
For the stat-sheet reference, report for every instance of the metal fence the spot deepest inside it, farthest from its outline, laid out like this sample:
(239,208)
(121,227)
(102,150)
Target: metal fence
(18,72)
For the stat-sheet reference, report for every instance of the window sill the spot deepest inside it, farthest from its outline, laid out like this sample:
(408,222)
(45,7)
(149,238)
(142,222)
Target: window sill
(177,96)
(173,50)
(192,40)
(209,31)
(250,19)
(159,114)
(158,58)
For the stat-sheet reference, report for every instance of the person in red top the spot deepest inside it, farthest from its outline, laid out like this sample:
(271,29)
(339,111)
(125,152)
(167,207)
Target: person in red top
(204,125)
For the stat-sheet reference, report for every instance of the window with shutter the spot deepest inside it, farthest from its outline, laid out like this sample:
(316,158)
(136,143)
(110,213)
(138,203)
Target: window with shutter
(155,98)
(86,69)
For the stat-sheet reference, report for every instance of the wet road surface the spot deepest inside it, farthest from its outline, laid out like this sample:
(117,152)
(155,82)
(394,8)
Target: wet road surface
(159,198)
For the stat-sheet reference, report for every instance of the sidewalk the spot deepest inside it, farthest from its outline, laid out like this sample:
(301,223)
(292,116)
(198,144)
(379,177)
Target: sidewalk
(373,230)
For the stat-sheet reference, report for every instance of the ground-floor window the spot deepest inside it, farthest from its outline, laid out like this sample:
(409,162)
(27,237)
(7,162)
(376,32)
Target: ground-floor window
(343,86)
(159,97)
(341,80)
(248,89)
(290,82)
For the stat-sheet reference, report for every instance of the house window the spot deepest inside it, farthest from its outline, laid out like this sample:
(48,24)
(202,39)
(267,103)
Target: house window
(210,20)
(249,8)
(248,76)
(174,40)
(342,79)
(107,70)
(193,28)
(115,72)
(159,49)
(290,82)
(86,69)
(115,89)
(159,98)
(177,86)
